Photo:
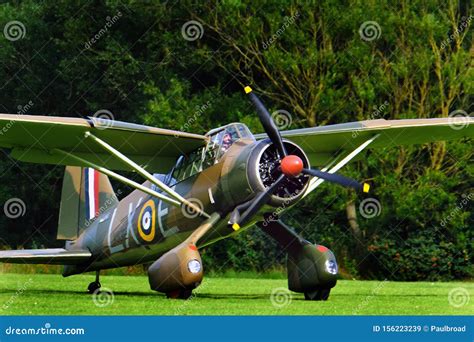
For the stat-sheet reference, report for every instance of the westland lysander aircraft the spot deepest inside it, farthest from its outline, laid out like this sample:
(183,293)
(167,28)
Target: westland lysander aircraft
(198,190)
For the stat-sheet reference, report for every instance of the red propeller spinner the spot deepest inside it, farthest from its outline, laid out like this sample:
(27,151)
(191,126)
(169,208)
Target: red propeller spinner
(291,165)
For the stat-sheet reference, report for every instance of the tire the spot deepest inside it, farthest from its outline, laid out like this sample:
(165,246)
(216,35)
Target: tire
(180,294)
(93,287)
(319,294)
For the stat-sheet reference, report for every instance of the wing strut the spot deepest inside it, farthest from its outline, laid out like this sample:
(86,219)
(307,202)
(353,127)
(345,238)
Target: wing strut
(315,181)
(121,178)
(181,200)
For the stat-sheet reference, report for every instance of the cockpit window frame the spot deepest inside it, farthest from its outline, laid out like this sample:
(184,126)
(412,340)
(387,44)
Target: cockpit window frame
(186,168)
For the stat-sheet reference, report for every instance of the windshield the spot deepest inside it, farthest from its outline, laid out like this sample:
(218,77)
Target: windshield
(220,140)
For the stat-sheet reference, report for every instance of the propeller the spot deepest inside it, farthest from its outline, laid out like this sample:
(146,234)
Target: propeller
(267,121)
(291,166)
(338,179)
(261,199)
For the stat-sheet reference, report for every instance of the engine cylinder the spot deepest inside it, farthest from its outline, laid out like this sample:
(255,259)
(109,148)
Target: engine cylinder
(249,168)
(264,169)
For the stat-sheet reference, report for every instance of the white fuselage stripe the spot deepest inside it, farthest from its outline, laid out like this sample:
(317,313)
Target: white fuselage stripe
(91,192)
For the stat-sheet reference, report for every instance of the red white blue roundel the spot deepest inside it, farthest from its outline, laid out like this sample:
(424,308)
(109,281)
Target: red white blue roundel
(146,221)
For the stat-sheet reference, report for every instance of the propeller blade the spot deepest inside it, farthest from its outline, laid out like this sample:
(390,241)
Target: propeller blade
(338,179)
(267,122)
(259,200)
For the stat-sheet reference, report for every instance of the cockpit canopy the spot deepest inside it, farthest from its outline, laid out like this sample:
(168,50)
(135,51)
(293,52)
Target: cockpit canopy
(220,139)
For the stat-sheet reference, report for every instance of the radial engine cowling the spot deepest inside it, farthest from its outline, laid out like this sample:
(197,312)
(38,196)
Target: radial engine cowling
(250,168)
(264,169)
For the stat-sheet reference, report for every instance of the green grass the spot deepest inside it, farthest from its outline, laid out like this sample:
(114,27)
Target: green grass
(46,294)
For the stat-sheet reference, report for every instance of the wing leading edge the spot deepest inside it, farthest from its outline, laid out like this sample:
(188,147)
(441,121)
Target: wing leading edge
(322,143)
(52,256)
(33,138)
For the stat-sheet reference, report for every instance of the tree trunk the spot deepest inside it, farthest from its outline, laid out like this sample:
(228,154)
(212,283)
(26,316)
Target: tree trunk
(353,224)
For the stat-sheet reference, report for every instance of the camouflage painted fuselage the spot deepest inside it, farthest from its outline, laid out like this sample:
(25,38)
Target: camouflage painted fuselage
(118,238)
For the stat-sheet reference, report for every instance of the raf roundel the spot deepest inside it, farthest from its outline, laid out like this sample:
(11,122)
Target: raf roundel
(147,221)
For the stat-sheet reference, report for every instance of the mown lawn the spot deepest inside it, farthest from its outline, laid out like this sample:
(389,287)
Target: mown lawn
(48,294)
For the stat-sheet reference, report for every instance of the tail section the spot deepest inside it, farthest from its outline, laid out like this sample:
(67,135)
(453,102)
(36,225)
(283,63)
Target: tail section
(86,194)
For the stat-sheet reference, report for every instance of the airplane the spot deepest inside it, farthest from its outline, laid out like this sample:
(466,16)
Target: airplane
(198,189)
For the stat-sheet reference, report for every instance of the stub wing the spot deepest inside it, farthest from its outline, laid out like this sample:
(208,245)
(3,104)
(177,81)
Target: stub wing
(52,256)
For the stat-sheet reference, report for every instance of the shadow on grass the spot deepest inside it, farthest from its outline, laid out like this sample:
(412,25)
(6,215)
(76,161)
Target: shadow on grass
(222,296)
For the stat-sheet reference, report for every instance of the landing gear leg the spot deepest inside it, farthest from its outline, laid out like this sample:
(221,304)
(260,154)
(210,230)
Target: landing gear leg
(312,269)
(95,285)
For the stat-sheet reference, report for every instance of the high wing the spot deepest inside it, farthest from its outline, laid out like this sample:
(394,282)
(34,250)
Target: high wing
(34,139)
(322,143)
(53,256)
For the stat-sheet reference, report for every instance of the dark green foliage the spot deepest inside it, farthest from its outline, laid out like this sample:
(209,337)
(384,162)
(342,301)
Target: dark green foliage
(318,68)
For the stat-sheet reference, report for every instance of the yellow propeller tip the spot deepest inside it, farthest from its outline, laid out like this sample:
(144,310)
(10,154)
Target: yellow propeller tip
(235,226)
(366,188)
(247,90)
